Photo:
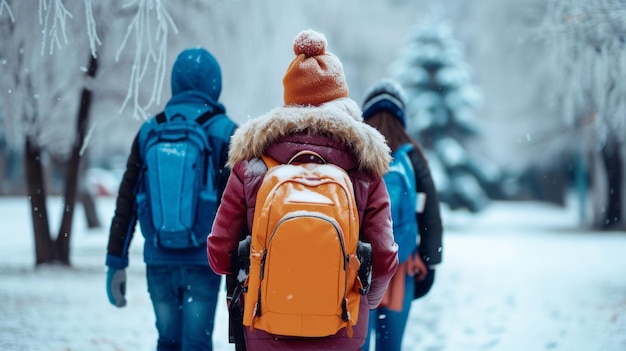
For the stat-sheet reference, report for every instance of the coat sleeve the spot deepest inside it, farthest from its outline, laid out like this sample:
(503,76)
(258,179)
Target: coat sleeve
(377,230)
(229,223)
(223,172)
(124,217)
(429,220)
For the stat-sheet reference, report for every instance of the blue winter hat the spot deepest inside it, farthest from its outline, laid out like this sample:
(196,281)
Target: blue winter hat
(197,70)
(385,95)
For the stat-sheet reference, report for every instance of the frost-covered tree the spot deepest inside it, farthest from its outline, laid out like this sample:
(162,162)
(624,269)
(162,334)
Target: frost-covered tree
(441,114)
(47,50)
(585,62)
(49,57)
(33,93)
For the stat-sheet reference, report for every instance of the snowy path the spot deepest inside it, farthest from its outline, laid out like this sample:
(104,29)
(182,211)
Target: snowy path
(516,277)
(519,277)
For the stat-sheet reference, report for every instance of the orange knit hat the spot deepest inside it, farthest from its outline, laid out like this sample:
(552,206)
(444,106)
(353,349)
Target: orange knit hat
(315,76)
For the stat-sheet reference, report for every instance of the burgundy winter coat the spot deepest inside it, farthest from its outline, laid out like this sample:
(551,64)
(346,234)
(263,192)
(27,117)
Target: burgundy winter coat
(336,132)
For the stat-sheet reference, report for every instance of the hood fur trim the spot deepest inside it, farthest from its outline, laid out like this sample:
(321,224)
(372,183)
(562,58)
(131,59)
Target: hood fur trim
(340,118)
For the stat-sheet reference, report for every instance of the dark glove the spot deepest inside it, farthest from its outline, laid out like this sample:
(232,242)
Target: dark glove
(422,287)
(242,260)
(364,254)
(116,286)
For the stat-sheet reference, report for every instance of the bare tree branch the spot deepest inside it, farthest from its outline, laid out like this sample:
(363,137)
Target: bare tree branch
(146,56)
(59,14)
(5,5)
(586,59)
(91,28)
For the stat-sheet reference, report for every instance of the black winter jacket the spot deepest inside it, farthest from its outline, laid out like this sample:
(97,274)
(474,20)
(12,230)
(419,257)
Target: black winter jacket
(429,220)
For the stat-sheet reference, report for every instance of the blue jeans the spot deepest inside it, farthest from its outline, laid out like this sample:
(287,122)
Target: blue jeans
(389,325)
(184,298)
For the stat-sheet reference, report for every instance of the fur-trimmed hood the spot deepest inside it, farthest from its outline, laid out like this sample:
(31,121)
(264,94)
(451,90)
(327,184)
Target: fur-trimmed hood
(338,119)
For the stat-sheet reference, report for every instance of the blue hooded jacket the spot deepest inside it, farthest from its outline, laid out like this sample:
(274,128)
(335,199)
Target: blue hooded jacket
(196,83)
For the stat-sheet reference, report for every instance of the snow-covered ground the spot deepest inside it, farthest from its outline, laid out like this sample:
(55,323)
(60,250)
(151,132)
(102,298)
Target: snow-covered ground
(518,276)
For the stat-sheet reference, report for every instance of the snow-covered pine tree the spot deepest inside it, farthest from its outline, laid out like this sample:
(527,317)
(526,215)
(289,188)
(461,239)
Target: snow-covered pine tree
(441,115)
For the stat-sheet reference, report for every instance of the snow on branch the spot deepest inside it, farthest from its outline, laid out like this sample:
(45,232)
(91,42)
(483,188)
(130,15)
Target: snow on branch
(147,58)
(53,16)
(587,40)
(584,20)
(91,28)
(4,5)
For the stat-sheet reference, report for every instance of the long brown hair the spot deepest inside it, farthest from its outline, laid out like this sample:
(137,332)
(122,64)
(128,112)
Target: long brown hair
(394,132)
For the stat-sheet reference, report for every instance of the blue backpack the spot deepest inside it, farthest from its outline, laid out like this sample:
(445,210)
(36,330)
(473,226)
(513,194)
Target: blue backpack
(177,197)
(400,182)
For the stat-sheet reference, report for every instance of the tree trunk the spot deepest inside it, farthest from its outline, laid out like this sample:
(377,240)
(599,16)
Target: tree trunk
(44,249)
(613,166)
(85,197)
(91,210)
(3,167)
(72,169)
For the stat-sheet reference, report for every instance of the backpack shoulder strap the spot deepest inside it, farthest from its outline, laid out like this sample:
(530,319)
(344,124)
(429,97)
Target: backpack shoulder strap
(269,161)
(405,148)
(162,117)
(218,126)
(203,118)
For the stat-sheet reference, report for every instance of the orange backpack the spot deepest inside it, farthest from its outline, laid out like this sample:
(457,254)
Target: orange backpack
(303,279)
